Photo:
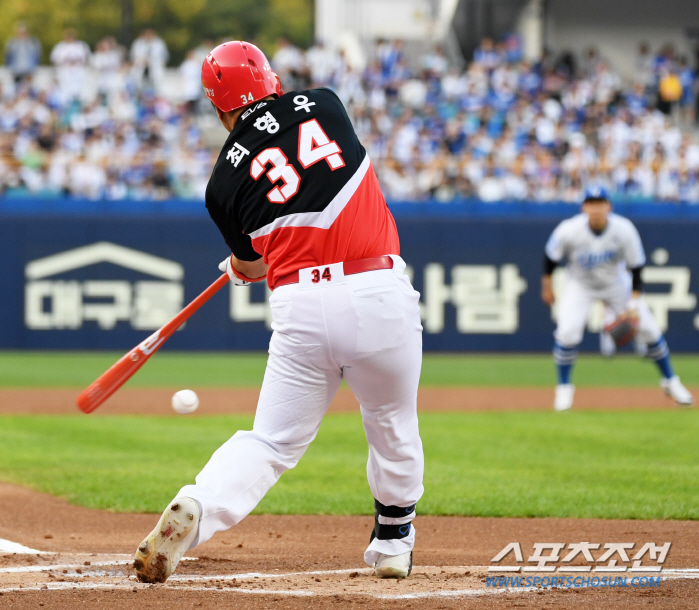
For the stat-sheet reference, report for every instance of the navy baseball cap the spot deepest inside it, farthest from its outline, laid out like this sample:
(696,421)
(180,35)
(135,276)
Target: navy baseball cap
(596,193)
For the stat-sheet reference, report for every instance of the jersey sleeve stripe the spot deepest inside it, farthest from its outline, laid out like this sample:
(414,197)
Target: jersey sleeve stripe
(325,218)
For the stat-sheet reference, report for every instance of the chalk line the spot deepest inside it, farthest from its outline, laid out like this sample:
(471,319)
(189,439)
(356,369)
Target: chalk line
(7,546)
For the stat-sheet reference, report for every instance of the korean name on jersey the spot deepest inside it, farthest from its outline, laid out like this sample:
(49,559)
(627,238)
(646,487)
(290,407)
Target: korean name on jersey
(236,182)
(597,260)
(294,184)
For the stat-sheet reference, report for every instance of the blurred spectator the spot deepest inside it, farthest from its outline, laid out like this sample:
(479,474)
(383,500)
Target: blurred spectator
(688,78)
(491,187)
(190,70)
(513,48)
(149,55)
(500,129)
(289,64)
(486,55)
(435,63)
(644,67)
(71,57)
(106,61)
(323,64)
(590,62)
(665,60)
(606,83)
(669,89)
(202,50)
(390,58)
(22,53)
(348,84)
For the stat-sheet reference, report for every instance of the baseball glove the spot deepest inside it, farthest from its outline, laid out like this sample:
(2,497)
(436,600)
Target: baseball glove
(624,328)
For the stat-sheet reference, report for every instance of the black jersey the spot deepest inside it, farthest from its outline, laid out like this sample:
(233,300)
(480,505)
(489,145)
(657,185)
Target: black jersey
(294,185)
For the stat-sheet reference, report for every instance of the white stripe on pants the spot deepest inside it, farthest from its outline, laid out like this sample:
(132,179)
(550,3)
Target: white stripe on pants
(365,327)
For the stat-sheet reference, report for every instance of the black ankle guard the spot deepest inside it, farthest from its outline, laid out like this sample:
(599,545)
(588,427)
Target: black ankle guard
(390,532)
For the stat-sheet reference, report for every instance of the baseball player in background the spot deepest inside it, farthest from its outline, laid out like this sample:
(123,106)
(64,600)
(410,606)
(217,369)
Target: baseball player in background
(295,197)
(605,258)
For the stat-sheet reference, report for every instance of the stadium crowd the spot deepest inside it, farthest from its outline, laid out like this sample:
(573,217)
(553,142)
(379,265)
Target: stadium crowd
(107,125)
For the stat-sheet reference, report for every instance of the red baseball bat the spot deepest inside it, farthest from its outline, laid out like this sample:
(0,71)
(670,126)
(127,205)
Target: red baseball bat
(120,372)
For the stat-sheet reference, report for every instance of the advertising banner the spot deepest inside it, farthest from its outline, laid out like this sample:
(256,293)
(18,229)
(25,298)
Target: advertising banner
(105,279)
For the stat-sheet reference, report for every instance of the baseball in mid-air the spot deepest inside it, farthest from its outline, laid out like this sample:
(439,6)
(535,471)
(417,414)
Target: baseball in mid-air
(185,401)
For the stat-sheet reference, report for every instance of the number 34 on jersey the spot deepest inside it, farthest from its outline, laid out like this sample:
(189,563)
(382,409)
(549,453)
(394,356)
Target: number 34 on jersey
(313,146)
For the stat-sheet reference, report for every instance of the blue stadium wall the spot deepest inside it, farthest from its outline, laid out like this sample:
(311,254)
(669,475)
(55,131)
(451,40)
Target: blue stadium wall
(103,275)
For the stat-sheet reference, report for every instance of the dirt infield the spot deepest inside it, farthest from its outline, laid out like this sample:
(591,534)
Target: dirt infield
(310,562)
(244,400)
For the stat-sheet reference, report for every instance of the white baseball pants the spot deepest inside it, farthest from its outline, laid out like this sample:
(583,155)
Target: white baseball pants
(575,304)
(364,328)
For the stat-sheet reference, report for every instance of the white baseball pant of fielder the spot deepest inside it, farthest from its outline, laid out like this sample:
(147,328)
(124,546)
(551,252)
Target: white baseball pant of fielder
(577,300)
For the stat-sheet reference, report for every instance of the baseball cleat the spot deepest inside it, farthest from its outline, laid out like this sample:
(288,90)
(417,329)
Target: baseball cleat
(158,555)
(673,387)
(564,396)
(394,566)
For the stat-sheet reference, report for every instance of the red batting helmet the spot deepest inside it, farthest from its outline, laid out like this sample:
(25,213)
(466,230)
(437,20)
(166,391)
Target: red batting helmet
(236,74)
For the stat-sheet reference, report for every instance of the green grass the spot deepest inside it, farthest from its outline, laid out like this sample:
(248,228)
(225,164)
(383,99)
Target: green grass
(641,464)
(207,369)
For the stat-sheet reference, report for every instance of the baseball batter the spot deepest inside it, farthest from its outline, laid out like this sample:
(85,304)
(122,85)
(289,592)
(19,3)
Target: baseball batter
(295,197)
(604,260)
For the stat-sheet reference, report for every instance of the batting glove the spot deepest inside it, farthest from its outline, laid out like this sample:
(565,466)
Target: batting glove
(235,276)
